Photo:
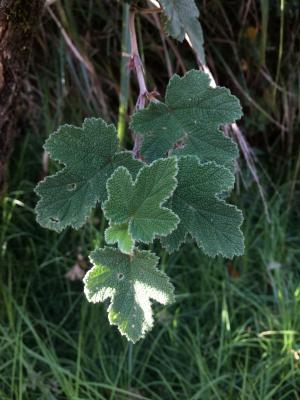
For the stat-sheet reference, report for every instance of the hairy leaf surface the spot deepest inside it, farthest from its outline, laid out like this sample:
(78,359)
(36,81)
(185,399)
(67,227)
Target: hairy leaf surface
(130,282)
(189,120)
(89,155)
(214,224)
(139,203)
(182,16)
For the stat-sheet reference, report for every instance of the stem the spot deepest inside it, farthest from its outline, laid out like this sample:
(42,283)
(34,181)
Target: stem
(130,366)
(154,10)
(137,65)
(264,6)
(124,81)
(280,50)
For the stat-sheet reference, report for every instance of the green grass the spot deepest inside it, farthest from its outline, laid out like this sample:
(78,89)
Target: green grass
(234,332)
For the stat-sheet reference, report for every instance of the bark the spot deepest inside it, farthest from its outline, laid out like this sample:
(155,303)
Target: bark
(18,21)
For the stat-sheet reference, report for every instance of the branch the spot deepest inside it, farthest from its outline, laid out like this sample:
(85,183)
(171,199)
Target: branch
(136,62)
(137,65)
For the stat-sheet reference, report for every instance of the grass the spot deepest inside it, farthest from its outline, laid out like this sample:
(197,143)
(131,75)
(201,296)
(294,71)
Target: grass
(234,332)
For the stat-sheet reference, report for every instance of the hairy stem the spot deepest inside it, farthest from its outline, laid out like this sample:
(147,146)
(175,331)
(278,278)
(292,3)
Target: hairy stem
(136,64)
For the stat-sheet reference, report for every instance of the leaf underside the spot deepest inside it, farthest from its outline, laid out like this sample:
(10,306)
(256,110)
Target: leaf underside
(130,282)
(214,224)
(139,203)
(89,155)
(188,122)
(182,17)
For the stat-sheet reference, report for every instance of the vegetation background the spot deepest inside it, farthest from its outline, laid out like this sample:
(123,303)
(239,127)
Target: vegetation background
(234,332)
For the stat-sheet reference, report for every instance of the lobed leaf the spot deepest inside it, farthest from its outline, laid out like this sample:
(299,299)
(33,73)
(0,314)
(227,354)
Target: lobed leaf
(182,17)
(139,203)
(130,282)
(189,120)
(89,155)
(214,224)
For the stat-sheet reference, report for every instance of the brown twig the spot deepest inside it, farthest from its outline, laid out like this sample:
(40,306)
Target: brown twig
(149,10)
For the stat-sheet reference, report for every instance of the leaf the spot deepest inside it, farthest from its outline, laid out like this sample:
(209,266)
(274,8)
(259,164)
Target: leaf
(89,155)
(119,234)
(139,203)
(182,17)
(214,224)
(130,282)
(189,120)
(195,34)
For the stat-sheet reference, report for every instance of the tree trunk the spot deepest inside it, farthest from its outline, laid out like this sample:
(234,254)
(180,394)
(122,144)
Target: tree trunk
(18,21)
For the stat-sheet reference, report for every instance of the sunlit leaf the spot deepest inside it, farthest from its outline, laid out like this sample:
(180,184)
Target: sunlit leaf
(139,203)
(130,282)
(119,233)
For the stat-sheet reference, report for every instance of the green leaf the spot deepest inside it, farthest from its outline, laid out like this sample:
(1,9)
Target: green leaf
(195,33)
(189,120)
(214,224)
(139,203)
(130,282)
(119,234)
(182,17)
(89,155)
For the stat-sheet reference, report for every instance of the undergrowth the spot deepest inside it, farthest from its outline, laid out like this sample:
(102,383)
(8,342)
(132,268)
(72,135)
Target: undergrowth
(233,332)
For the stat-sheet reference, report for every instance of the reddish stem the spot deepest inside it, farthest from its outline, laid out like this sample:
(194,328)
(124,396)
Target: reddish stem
(137,65)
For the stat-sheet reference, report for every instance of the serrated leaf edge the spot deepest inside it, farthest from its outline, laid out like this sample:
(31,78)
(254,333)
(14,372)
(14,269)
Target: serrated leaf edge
(171,251)
(81,128)
(88,210)
(178,77)
(210,88)
(149,327)
(229,188)
(203,163)
(220,253)
(155,235)
(160,204)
